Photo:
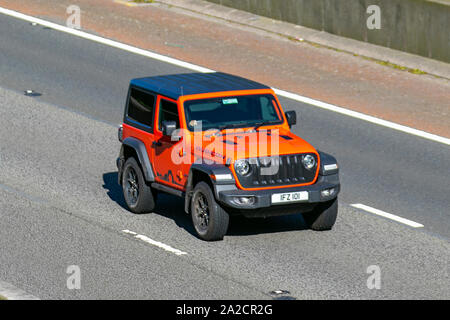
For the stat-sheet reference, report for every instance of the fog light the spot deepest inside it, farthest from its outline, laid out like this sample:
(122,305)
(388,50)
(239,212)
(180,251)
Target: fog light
(244,200)
(327,192)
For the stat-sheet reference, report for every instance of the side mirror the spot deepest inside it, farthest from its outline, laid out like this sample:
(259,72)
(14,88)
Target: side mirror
(168,127)
(291,117)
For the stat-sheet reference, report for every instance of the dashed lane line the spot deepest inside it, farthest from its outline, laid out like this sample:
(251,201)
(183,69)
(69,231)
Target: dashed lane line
(155,243)
(388,215)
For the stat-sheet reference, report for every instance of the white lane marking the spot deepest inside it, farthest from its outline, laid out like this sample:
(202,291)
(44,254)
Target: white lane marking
(362,116)
(104,41)
(10,292)
(155,243)
(387,215)
(190,66)
(130,232)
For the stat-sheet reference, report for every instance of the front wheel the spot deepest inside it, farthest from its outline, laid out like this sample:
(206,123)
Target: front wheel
(323,216)
(209,218)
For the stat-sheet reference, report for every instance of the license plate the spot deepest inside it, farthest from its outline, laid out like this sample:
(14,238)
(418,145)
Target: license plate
(290,197)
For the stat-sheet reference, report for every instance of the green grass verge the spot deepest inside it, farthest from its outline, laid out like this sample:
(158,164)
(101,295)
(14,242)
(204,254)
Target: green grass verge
(314,44)
(380,62)
(3,298)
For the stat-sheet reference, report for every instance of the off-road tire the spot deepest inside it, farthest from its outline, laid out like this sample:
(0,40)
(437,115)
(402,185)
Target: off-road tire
(218,219)
(323,216)
(144,202)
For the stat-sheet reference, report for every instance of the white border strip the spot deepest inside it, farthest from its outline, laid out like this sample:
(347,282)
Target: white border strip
(387,215)
(10,292)
(155,243)
(364,117)
(197,68)
(104,41)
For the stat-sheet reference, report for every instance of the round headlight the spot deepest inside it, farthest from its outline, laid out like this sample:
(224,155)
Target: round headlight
(309,162)
(242,167)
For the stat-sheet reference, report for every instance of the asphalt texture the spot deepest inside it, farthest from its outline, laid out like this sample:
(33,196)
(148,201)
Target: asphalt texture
(60,203)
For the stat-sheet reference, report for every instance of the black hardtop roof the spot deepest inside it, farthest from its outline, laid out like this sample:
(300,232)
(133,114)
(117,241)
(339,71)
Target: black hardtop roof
(183,84)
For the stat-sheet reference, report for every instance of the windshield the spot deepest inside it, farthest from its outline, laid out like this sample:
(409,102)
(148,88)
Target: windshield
(232,112)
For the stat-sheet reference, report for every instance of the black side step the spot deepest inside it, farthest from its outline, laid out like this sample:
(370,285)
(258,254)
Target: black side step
(168,189)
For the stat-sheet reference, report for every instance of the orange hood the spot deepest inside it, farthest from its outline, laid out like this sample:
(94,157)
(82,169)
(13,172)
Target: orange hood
(243,143)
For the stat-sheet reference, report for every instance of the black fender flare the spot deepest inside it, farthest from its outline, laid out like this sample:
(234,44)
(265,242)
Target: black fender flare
(326,159)
(141,151)
(208,170)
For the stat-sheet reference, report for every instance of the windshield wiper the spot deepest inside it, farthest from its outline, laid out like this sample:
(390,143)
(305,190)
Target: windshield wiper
(238,124)
(231,125)
(263,123)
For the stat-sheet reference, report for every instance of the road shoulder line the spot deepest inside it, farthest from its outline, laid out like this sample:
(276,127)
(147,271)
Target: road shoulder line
(11,292)
(155,243)
(190,66)
(387,215)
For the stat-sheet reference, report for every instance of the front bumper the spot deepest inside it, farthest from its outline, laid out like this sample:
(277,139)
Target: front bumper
(262,199)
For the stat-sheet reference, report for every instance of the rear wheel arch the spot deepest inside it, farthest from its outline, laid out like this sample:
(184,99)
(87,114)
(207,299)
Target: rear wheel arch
(133,147)
(128,151)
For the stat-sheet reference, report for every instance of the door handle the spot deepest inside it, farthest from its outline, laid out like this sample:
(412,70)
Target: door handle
(156,144)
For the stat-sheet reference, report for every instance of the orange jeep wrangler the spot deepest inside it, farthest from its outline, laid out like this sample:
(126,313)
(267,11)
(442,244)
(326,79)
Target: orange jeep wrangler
(224,144)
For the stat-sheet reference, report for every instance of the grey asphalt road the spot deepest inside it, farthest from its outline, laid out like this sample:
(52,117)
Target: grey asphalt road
(60,204)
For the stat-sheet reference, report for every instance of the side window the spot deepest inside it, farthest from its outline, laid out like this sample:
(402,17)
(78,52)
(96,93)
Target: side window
(140,107)
(168,111)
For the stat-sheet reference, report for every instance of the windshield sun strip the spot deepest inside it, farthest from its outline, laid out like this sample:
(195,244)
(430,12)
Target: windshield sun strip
(246,124)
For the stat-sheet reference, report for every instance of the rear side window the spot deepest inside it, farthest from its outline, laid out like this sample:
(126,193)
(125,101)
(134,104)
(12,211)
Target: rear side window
(140,107)
(168,111)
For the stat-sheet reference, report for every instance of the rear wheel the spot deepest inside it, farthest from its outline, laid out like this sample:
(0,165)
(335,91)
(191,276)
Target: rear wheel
(138,195)
(209,218)
(323,216)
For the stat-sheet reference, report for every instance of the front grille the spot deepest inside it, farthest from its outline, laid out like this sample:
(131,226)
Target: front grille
(290,172)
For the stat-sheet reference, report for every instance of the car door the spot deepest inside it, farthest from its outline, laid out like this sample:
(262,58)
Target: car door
(168,170)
